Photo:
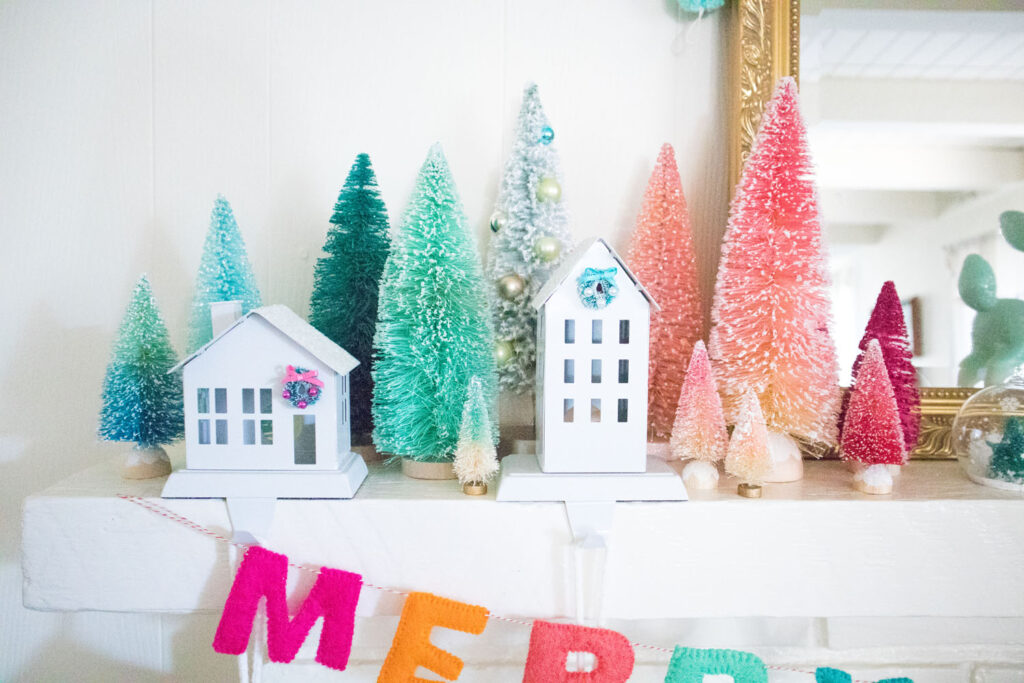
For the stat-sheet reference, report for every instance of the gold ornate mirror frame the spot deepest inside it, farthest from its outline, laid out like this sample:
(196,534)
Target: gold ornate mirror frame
(766,47)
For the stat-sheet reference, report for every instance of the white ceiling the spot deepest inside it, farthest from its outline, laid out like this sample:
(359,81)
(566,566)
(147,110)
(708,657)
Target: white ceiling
(948,45)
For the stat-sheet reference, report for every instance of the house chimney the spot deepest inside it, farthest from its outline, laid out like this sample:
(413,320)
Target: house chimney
(223,314)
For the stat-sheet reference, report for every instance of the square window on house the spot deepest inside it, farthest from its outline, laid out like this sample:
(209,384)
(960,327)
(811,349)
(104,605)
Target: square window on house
(595,371)
(570,331)
(248,401)
(623,331)
(266,432)
(204,432)
(249,432)
(568,410)
(220,400)
(595,410)
(222,432)
(623,410)
(595,331)
(569,373)
(203,400)
(623,371)
(266,401)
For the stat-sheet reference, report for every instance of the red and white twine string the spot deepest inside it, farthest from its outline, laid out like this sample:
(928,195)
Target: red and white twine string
(160,510)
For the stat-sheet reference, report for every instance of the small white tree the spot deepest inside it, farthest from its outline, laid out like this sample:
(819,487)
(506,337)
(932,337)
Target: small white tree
(476,459)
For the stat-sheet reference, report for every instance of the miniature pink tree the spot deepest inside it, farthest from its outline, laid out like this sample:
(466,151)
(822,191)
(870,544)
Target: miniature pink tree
(771,311)
(872,435)
(888,327)
(699,433)
(748,458)
(661,255)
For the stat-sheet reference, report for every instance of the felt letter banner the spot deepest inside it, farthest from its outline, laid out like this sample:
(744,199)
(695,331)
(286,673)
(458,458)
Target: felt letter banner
(550,645)
(825,674)
(411,647)
(263,573)
(689,665)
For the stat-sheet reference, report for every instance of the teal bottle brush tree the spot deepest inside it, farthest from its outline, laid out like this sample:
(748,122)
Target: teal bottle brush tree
(346,282)
(142,400)
(1007,461)
(531,237)
(225,274)
(997,337)
(433,327)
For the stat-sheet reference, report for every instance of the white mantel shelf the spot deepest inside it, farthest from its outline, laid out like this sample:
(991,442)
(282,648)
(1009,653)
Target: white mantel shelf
(939,546)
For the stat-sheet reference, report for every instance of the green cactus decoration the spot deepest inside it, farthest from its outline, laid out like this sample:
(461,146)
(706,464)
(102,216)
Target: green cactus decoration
(997,336)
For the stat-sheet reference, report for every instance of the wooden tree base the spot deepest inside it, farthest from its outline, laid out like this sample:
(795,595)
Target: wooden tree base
(749,490)
(427,470)
(146,463)
(474,489)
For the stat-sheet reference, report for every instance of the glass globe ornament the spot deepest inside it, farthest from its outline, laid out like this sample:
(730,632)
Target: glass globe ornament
(988,435)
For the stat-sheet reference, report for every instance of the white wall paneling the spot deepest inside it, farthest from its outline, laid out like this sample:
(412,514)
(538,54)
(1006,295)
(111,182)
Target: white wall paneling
(120,122)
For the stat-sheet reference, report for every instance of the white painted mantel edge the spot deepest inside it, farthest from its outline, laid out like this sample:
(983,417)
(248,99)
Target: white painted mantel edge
(940,546)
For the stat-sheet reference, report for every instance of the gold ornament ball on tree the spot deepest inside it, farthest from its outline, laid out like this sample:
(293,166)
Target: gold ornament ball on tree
(548,190)
(511,286)
(503,351)
(547,249)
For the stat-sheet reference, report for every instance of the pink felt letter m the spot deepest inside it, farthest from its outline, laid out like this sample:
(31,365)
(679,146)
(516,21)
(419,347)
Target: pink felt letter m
(263,573)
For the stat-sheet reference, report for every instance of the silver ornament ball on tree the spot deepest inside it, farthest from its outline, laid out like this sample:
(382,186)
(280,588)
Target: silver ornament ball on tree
(547,249)
(503,351)
(498,219)
(548,190)
(511,286)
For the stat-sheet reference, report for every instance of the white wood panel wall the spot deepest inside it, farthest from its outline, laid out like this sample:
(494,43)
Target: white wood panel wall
(121,121)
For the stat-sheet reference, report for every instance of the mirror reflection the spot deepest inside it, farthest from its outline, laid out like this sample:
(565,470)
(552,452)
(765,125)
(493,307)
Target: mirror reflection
(915,113)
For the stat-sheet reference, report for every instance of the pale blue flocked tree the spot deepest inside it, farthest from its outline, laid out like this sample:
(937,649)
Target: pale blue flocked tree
(531,237)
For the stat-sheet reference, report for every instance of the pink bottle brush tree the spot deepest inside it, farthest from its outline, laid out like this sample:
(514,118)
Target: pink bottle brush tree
(699,433)
(771,312)
(886,325)
(662,257)
(872,435)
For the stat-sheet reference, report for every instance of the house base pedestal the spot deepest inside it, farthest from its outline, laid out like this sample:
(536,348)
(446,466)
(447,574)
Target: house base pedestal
(340,483)
(522,480)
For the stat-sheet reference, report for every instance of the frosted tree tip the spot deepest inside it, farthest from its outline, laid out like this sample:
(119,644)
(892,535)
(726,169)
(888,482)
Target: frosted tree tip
(435,156)
(667,153)
(787,85)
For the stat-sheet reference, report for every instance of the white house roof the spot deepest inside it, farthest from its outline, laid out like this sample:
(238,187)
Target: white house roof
(558,277)
(296,329)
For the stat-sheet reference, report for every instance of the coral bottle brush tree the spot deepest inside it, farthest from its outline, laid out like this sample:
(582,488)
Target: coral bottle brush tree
(771,312)
(872,435)
(886,325)
(531,236)
(225,274)
(433,324)
(142,402)
(661,255)
(346,281)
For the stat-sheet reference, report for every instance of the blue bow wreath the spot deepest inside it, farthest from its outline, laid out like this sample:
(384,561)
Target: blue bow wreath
(596,287)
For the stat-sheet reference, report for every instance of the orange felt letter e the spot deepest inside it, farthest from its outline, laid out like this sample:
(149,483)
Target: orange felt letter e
(411,647)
